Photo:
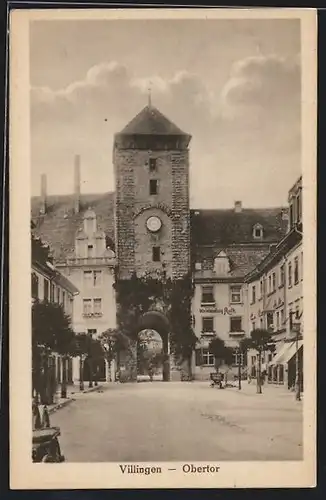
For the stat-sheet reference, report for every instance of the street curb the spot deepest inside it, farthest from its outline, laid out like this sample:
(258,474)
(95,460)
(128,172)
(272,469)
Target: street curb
(71,399)
(60,405)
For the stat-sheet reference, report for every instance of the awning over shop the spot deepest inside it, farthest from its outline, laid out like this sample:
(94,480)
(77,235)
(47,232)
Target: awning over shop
(286,352)
(277,360)
(292,351)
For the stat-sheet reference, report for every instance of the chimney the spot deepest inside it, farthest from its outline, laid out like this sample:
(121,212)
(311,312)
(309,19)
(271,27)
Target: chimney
(77,184)
(237,206)
(43,194)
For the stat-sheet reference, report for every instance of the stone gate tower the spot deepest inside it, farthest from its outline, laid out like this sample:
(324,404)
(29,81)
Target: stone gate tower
(152,217)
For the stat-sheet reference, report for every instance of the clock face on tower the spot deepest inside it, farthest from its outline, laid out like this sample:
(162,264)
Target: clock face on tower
(154,224)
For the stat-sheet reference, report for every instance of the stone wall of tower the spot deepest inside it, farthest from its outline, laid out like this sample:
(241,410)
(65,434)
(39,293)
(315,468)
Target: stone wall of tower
(124,163)
(181,213)
(134,204)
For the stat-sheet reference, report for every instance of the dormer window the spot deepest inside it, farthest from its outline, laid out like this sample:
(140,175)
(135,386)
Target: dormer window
(258,232)
(221,264)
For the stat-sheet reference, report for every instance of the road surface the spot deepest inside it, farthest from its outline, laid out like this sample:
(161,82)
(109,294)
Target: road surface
(180,422)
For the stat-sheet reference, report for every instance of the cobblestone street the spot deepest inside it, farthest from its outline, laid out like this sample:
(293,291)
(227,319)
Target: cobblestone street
(181,422)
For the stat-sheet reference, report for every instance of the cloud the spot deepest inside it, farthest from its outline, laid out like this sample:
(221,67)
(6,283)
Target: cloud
(246,132)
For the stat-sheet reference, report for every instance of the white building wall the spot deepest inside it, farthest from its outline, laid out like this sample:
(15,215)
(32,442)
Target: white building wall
(221,313)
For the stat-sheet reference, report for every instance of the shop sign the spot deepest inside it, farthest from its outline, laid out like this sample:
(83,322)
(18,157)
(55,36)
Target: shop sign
(212,309)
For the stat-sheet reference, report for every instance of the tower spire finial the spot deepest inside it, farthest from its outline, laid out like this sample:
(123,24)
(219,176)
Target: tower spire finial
(149,96)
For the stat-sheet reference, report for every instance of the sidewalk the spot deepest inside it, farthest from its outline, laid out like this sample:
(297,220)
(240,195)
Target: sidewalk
(73,393)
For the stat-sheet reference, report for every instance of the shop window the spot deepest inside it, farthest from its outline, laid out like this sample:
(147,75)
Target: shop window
(236,324)
(207,294)
(208,358)
(208,324)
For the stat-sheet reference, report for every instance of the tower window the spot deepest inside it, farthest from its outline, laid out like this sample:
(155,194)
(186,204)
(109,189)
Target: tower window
(153,186)
(156,254)
(152,165)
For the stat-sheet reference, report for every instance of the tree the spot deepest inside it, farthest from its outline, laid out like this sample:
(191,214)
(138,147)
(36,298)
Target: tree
(114,342)
(136,296)
(261,341)
(242,350)
(221,353)
(51,332)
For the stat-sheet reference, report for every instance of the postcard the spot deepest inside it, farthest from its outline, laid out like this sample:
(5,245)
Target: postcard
(162,248)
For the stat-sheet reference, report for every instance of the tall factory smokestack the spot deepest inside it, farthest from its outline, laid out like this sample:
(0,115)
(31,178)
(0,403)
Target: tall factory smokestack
(77,184)
(43,194)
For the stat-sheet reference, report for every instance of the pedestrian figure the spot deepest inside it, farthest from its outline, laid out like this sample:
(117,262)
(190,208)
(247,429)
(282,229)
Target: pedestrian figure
(45,417)
(36,416)
(150,372)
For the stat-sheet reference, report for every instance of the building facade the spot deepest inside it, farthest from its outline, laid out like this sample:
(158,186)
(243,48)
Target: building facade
(48,284)
(276,300)
(147,226)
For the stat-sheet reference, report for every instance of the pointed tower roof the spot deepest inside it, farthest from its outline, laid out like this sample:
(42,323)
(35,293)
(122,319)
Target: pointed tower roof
(150,121)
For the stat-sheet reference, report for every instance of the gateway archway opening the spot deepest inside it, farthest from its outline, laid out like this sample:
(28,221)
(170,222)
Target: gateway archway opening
(153,344)
(150,356)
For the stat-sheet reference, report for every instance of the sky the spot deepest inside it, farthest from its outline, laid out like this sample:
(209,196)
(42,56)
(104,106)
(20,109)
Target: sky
(234,85)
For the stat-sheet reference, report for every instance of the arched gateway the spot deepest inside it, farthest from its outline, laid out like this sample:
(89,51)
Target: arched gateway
(152,214)
(157,321)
